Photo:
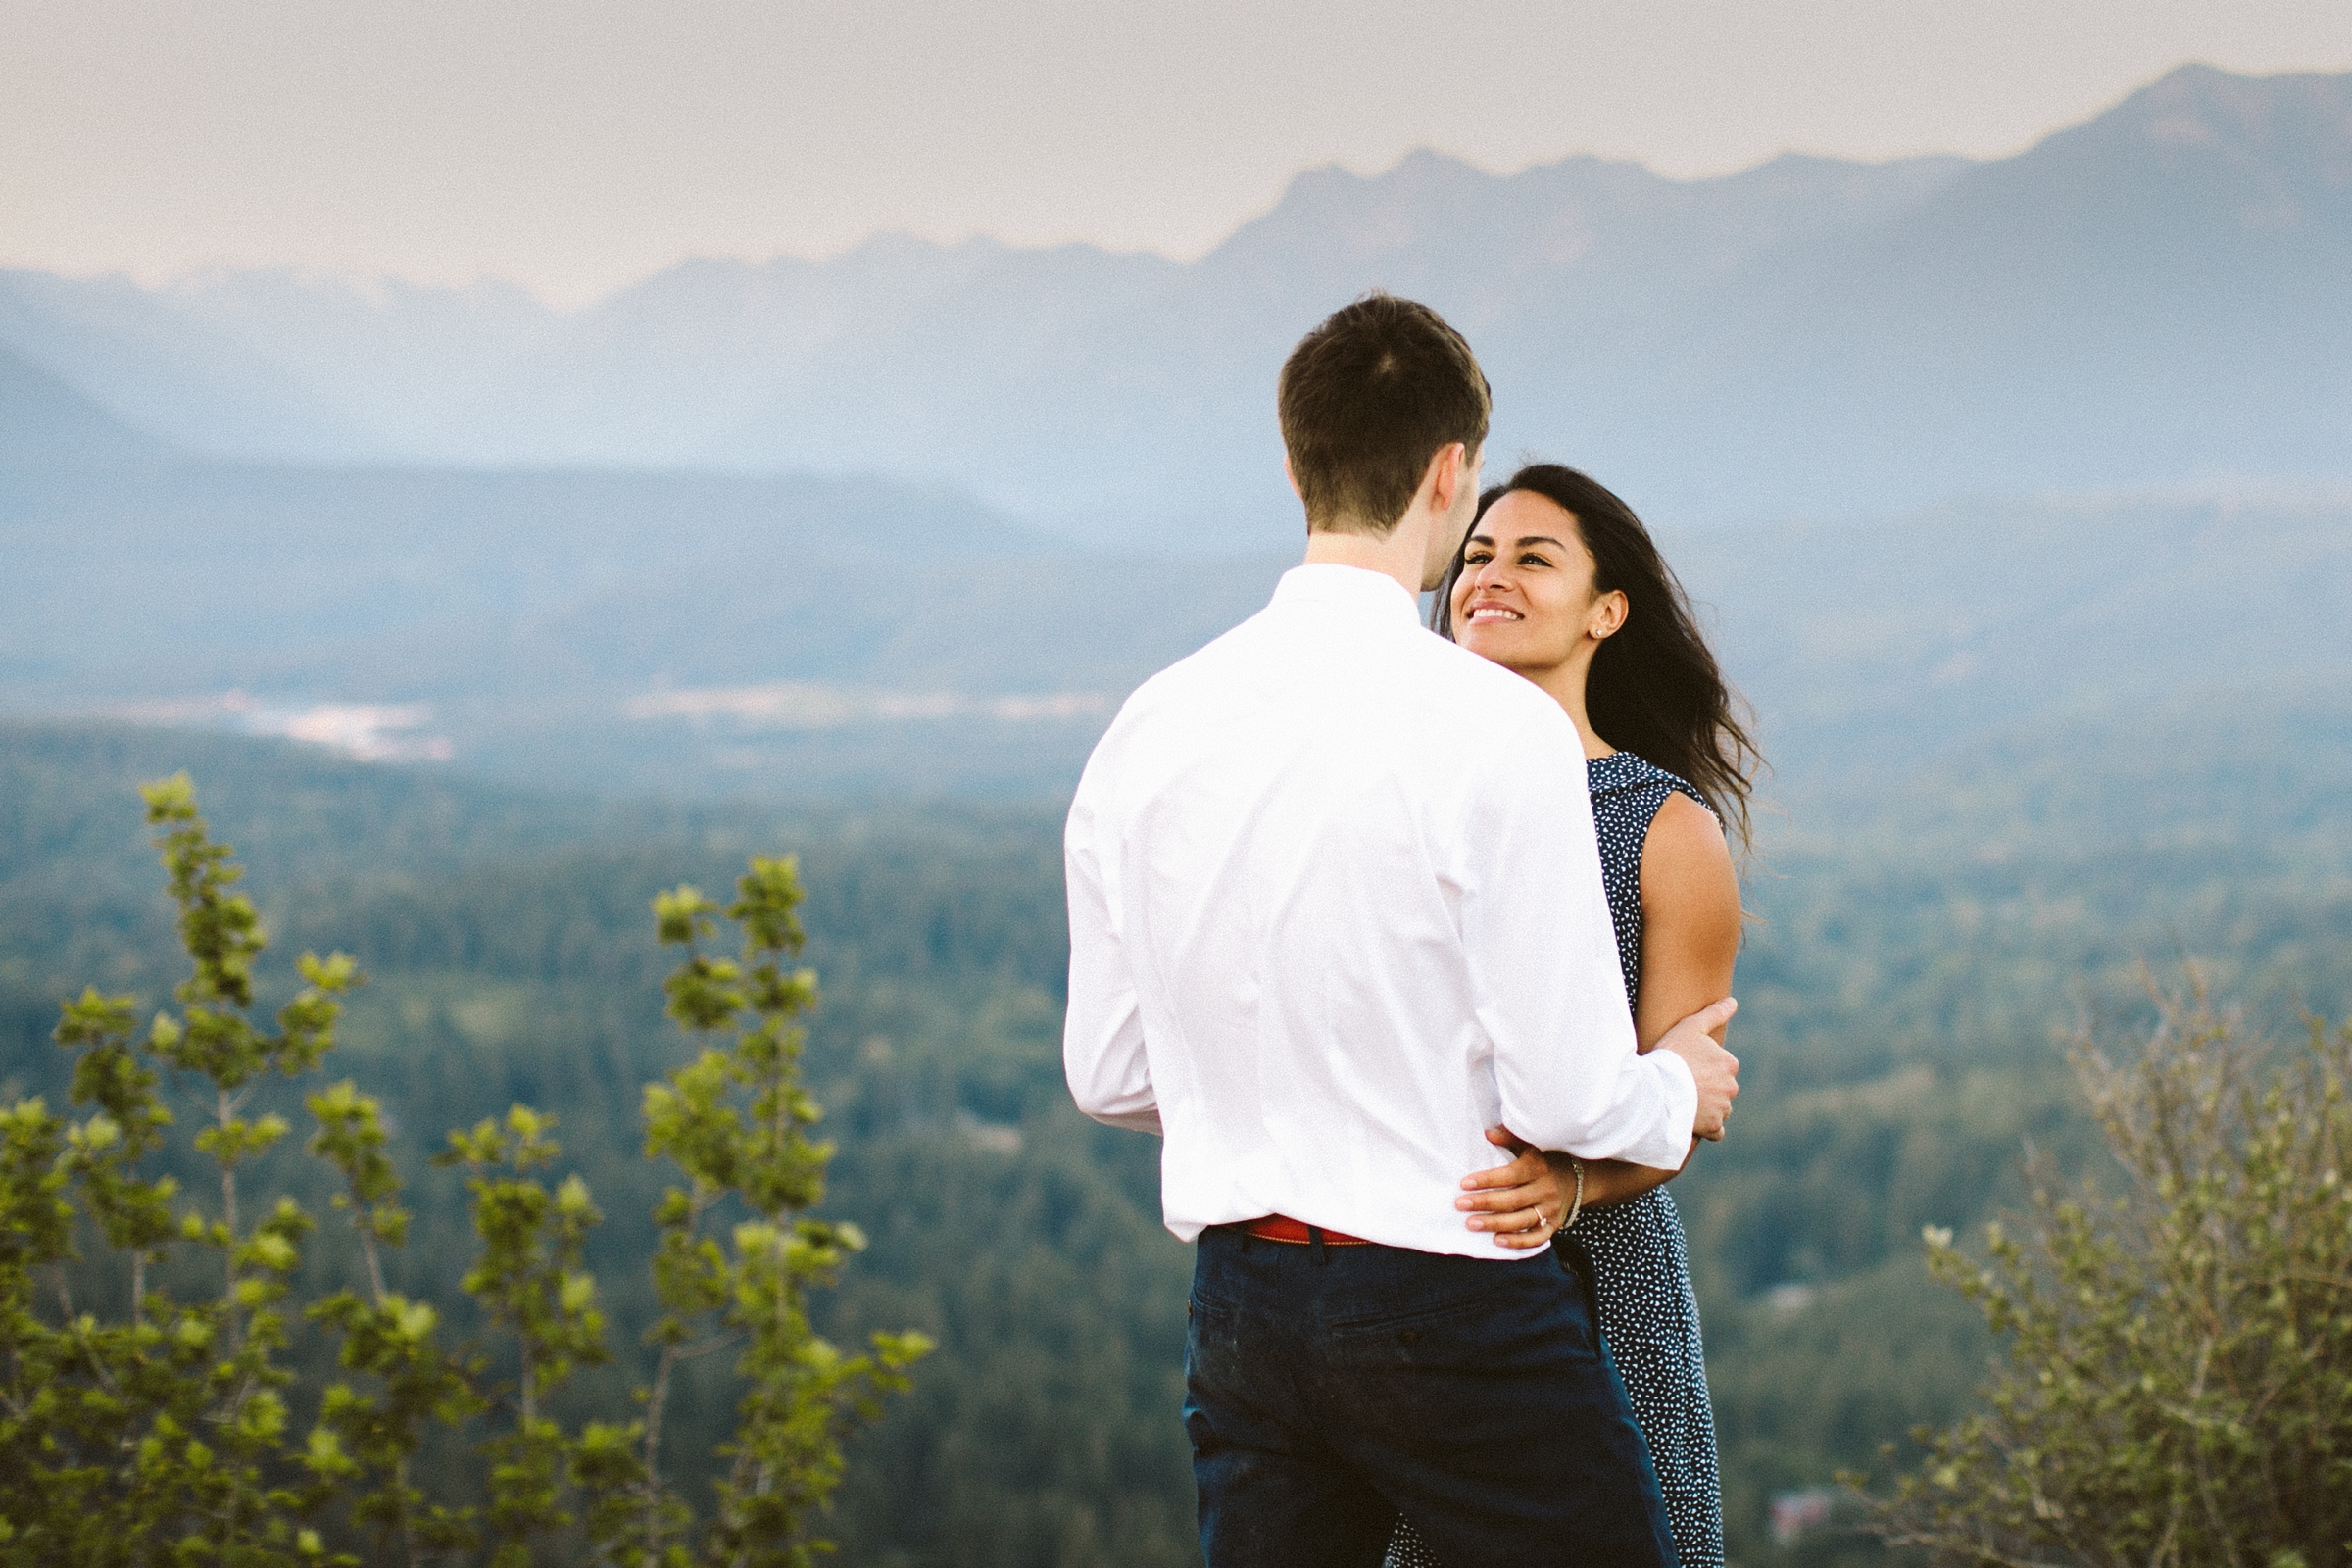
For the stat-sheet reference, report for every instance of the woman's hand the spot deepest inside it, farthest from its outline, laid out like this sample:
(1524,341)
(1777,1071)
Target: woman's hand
(1523,1202)
(1526,1201)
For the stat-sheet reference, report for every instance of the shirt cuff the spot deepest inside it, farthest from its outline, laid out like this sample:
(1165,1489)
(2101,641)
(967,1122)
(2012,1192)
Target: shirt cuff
(1147,1120)
(1679,1091)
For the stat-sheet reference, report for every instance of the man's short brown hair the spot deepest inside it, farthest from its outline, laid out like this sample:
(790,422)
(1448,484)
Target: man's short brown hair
(1367,399)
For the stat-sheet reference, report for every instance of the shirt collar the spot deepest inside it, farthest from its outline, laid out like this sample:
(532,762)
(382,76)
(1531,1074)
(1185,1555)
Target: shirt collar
(1372,593)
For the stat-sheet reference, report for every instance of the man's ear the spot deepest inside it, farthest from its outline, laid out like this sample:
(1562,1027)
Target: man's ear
(1448,470)
(1292,477)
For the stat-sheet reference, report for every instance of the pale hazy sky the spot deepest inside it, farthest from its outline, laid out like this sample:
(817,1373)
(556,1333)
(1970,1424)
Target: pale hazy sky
(572,145)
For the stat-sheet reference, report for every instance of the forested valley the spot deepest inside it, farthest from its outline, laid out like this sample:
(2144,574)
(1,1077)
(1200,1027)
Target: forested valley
(1924,937)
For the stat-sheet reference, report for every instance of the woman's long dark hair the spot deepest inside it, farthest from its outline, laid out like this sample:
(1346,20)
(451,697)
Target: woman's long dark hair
(1654,689)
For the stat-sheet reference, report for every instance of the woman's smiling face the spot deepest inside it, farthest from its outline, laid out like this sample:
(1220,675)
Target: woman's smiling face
(1525,596)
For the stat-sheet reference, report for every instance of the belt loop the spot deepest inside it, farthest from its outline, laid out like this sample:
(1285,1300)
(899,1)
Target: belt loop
(1314,1234)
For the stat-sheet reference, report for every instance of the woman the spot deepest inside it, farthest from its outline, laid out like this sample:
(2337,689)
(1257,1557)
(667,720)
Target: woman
(1560,582)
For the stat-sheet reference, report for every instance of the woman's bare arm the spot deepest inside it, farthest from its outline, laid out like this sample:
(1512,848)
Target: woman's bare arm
(1689,918)
(1690,939)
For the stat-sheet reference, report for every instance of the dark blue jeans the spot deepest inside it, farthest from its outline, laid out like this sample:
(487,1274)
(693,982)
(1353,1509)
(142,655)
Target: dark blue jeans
(1329,1388)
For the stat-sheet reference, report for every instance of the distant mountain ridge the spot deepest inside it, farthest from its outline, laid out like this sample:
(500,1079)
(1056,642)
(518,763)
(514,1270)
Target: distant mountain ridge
(2154,297)
(43,422)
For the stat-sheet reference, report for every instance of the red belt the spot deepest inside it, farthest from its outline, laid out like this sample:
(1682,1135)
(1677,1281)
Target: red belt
(1283,1228)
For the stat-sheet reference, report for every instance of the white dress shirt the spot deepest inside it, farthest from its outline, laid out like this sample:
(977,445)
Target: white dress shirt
(1335,909)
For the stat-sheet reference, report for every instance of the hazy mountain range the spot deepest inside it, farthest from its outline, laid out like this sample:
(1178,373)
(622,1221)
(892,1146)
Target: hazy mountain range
(915,519)
(2157,297)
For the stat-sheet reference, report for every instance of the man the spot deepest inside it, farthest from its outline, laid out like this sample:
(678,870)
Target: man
(1336,910)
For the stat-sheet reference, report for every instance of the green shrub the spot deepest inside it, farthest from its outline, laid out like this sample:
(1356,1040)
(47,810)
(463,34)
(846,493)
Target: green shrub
(165,1424)
(2177,1389)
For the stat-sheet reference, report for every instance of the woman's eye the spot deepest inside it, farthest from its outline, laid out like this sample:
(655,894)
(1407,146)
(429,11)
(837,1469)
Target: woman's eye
(1530,558)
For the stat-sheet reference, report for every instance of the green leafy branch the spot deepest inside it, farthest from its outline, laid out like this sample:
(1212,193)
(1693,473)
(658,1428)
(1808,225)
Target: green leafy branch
(736,1122)
(165,1433)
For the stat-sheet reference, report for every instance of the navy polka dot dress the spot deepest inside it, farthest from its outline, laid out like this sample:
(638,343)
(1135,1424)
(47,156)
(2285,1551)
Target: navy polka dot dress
(1648,1316)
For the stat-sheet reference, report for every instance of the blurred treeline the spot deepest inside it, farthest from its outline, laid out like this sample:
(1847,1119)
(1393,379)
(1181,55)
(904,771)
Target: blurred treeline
(1923,938)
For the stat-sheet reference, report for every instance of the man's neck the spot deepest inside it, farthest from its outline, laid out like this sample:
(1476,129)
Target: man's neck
(1402,553)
